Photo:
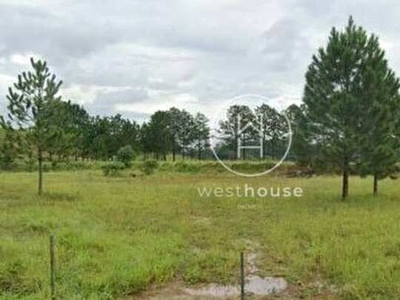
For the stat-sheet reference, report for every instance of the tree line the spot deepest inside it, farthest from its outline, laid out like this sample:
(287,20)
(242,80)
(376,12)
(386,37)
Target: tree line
(40,125)
(258,133)
(349,121)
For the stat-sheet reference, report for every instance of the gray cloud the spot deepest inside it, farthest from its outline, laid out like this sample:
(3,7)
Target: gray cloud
(144,55)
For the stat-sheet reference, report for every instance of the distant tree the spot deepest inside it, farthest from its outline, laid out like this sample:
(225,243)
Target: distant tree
(121,132)
(200,133)
(305,151)
(30,107)
(332,97)
(145,139)
(229,128)
(71,121)
(159,134)
(97,137)
(179,125)
(9,148)
(274,129)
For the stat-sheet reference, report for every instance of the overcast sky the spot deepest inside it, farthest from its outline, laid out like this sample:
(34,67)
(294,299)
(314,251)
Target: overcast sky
(135,57)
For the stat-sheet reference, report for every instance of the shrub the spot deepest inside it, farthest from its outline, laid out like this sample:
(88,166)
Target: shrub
(149,166)
(182,166)
(7,162)
(125,155)
(30,164)
(113,168)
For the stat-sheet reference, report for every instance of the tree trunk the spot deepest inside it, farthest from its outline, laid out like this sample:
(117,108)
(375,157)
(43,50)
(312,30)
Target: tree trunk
(345,180)
(272,149)
(244,145)
(263,146)
(375,192)
(198,151)
(40,183)
(173,154)
(236,147)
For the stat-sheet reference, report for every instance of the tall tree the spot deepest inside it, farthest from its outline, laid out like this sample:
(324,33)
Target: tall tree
(305,147)
(145,139)
(237,117)
(379,115)
(160,134)
(70,119)
(31,102)
(180,124)
(274,129)
(200,133)
(332,96)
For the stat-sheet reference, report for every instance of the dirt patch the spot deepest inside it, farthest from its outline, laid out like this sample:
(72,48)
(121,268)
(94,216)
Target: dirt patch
(256,287)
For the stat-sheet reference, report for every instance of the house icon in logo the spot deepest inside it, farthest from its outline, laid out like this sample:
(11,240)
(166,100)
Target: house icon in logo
(258,128)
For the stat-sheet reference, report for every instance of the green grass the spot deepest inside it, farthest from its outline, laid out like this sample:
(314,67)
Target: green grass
(119,236)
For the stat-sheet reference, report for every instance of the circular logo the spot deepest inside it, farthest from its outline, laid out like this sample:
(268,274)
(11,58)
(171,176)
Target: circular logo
(251,128)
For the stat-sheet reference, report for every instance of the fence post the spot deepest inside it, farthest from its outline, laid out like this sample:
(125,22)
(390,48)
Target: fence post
(52,268)
(242,277)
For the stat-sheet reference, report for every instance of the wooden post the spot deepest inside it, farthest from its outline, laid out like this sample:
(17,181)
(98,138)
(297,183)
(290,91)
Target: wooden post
(242,278)
(52,268)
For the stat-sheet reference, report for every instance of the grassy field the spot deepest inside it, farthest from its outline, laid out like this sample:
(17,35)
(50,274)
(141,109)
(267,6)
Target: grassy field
(119,236)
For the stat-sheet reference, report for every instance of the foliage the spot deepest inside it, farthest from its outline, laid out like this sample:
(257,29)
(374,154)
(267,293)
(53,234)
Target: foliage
(379,116)
(126,155)
(31,107)
(177,132)
(343,95)
(229,127)
(273,127)
(8,152)
(71,121)
(183,166)
(149,166)
(200,134)
(113,168)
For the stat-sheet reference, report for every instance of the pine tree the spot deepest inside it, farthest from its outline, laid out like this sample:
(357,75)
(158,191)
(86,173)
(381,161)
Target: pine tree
(201,133)
(332,97)
(31,108)
(229,128)
(379,115)
(303,149)
(275,129)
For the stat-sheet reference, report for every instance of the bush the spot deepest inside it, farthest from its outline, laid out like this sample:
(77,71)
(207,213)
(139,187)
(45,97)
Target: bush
(149,166)
(113,168)
(7,162)
(30,164)
(125,155)
(73,165)
(183,166)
